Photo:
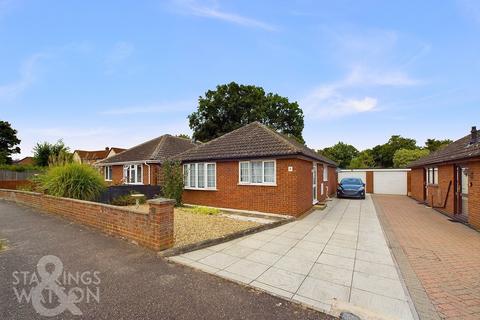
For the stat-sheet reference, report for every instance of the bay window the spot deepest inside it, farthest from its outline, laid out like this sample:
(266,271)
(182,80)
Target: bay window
(199,176)
(257,172)
(133,174)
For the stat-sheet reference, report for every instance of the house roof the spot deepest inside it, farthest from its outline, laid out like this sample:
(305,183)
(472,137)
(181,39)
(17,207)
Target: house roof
(92,155)
(117,150)
(26,160)
(460,149)
(158,150)
(253,140)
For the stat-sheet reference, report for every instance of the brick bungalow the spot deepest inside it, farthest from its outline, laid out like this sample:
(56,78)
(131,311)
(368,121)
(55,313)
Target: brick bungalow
(256,168)
(91,157)
(449,179)
(141,165)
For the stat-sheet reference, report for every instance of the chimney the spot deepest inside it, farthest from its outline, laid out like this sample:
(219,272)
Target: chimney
(473,135)
(107,148)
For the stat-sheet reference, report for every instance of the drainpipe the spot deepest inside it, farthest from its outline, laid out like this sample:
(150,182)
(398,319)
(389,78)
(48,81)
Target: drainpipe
(149,176)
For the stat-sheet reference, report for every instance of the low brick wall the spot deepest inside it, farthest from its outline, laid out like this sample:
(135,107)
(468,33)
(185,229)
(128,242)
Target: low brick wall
(153,230)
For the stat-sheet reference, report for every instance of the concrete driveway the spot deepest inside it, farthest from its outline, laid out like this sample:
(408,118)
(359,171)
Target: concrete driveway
(134,283)
(331,260)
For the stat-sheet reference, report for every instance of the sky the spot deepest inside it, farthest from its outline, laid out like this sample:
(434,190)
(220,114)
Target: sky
(117,73)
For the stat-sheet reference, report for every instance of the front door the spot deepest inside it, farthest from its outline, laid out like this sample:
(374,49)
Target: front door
(462,191)
(314,183)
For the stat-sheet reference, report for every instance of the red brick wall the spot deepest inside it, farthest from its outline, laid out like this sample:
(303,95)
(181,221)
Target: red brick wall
(438,193)
(417,184)
(474,194)
(332,181)
(153,230)
(292,194)
(14,184)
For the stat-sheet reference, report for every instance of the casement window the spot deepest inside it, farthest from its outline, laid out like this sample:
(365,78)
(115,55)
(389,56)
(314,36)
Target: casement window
(257,172)
(108,173)
(432,175)
(200,176)
(325,172)
(133,174)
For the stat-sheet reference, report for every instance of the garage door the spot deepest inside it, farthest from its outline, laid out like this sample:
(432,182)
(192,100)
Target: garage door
(390,182)
(352,174)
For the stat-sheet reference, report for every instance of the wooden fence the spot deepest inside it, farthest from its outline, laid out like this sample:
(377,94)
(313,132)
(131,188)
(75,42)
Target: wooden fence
(15,179)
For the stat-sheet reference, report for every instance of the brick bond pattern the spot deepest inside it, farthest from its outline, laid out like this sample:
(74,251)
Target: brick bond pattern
(153,230)
(445,256)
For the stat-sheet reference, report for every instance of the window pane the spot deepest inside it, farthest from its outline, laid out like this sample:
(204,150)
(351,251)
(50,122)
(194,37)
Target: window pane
(193,173)
(211,183)
(201,175)
(244,172)
(325,173)
(257,175)
(185,175)
(435,175)
(139,173)
(269,171)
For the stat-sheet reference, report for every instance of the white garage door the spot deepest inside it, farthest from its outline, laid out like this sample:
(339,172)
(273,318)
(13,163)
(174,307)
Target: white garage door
(390,182)
(352,174)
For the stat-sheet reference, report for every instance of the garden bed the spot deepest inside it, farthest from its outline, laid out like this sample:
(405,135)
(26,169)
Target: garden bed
(191,227)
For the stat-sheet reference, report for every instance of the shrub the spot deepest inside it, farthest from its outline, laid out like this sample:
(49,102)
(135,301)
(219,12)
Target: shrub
(74,180)
(173,181)
(20,167)
(204,210)
(127,200)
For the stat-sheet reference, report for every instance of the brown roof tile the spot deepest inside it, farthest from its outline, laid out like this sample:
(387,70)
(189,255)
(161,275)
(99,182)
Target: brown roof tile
(253,140)
(158,149)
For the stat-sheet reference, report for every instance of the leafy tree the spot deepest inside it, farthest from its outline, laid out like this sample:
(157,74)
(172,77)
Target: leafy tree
(232,106)
(434,144)
(403,157)
(341,153)
(46,152)
(173,181)
(383,154)
(8,142)
(363,160)
(183,135)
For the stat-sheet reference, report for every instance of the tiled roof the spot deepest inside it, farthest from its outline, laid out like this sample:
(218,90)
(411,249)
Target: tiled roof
(158,149)
(117,150)
(92,155)
(253,140)
(460,149)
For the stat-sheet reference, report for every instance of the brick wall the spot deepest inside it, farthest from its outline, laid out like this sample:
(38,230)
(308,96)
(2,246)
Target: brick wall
(332,181)
(153,230)
(474,194)
(292,194)
(437,194)
(417,184)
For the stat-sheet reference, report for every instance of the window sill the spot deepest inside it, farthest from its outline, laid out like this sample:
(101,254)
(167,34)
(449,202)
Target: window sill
(200,189)
(135,184)
(108,180)
(258,184)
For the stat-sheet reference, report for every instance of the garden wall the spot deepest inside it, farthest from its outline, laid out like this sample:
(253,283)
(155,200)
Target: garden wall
(153,230)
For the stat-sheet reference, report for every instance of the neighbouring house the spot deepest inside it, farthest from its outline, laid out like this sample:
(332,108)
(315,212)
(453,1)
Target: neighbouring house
(141,165)
(91,157)
(24,161)
(258,169)
(449,179)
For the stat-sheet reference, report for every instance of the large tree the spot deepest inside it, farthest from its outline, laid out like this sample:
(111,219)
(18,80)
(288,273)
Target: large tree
(8,142)
(434,144)
(383,154)
(363,160)
(403,157)
(341,153)
(232,106)
(51,153)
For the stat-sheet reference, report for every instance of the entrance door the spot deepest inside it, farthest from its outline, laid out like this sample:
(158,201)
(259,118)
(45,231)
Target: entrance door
(314,183)
(462,191)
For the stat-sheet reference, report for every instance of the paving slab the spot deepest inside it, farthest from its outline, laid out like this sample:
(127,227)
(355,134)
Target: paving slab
(332,260)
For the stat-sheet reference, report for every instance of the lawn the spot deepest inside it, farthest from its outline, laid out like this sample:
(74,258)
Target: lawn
(194,225)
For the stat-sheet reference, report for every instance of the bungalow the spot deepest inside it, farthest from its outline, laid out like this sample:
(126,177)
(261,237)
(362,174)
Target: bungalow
(256,168)
(141,165)
(90,157)
(449,179)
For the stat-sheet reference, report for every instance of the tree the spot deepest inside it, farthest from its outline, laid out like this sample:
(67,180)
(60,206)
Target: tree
(434,144)
(341,153)
(183,135)
(363,160)
(403,157)
(232,106)
(44,153)
(383,154)
(173,181)
(8,142)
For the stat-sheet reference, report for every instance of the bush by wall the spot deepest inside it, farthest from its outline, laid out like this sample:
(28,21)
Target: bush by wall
(173,181)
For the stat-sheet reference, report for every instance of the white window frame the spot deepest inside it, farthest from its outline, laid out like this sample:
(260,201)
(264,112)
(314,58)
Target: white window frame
(263,183)
(325,173)
(107,173)
(133,168)
(187,176)
(432,175)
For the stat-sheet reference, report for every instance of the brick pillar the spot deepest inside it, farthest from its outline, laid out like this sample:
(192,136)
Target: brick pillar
(161,209)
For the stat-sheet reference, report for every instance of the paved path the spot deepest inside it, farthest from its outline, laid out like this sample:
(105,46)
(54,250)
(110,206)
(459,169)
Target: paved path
(332,260)
(444,256)
(135,283)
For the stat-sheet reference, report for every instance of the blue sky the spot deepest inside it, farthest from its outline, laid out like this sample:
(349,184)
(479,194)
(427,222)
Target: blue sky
(115,73)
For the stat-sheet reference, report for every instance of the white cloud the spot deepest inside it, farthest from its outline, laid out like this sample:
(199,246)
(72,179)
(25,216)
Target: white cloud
(162,107)
(361,76)
(120,52)
(194,8)
(27,77)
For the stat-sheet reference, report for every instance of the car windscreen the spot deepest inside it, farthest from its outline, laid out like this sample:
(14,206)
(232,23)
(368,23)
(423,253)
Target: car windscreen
(351,181)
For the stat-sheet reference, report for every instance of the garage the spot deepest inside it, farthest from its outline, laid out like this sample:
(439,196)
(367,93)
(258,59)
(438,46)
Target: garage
(380,181)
